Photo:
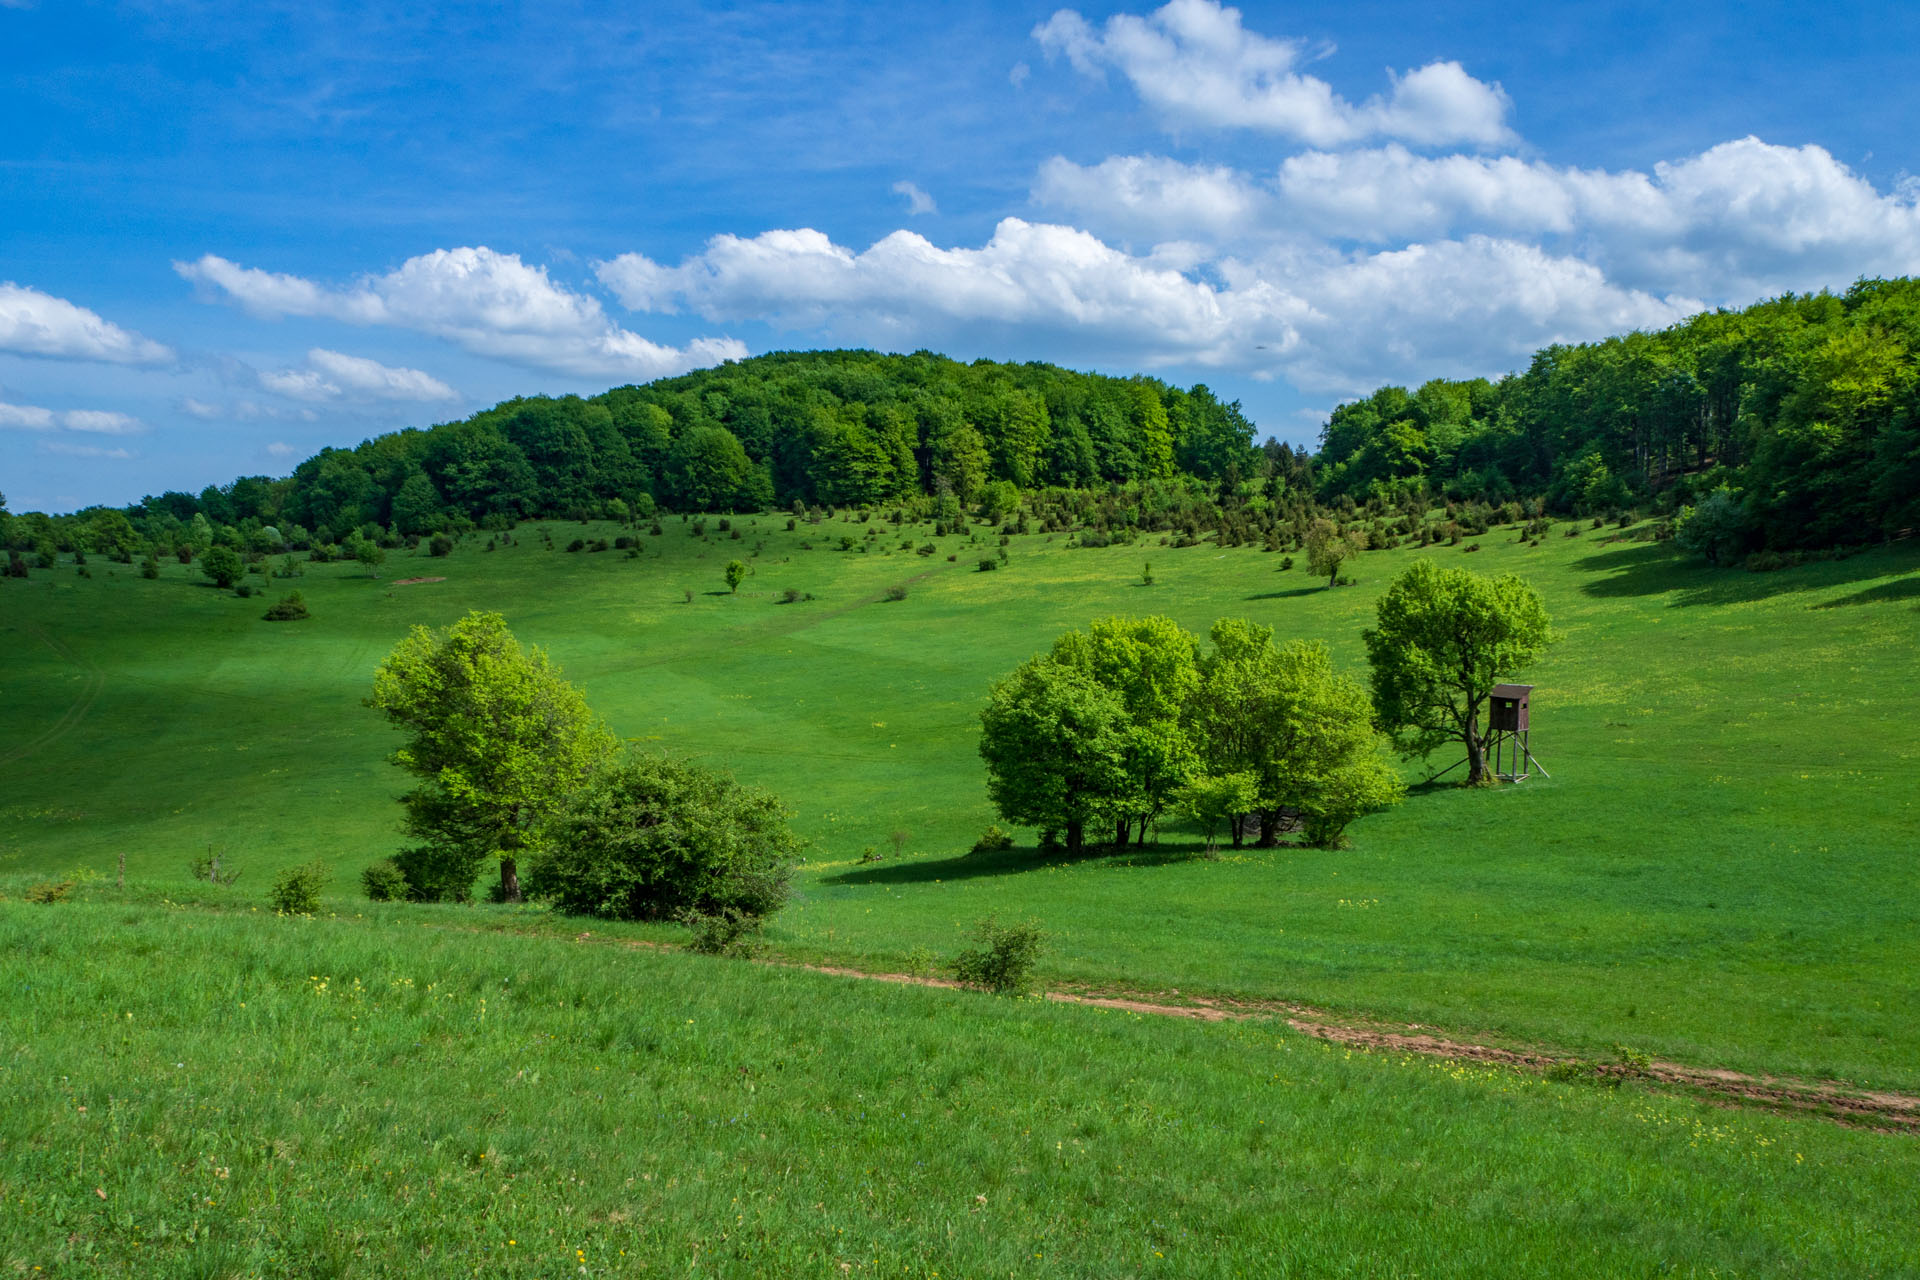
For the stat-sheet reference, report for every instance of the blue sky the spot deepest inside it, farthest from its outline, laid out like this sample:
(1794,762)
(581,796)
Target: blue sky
(232,234)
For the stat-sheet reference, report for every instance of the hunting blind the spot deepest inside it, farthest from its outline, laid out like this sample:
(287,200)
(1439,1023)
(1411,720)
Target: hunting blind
(1507,732)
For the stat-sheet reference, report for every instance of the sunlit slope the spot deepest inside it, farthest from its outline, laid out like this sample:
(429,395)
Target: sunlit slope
(1721,867)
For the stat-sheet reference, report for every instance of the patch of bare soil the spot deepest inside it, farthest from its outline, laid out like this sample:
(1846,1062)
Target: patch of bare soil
(412,582)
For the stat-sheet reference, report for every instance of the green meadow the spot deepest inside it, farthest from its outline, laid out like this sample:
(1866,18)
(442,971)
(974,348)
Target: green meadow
(201,1093)
(1718,873)
(1719,870)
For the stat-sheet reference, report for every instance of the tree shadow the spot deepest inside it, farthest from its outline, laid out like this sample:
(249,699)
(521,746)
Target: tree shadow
(1907,588)
(1290,593)
(1013,862)
(1662,569)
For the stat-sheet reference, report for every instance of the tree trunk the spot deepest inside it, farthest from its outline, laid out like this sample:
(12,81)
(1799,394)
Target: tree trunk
(1121,827)
(1269,828)
(1476,757)
(1237,824)
(509,880)
(1076,834)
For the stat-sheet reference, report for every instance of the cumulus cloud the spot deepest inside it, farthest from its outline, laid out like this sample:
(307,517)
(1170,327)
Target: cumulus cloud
(1196,63)
(1029,280)
(490,303)
(330,375)
(1739,221)
(280,449)
(27,417)
(918,201)
(33,323)
(1326,321)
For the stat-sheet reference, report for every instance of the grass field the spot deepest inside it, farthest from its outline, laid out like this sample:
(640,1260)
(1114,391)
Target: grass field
(1720,871)
(196,1093)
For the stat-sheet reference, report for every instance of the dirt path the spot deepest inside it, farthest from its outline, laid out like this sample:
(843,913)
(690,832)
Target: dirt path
(95,682)
(1831,1100)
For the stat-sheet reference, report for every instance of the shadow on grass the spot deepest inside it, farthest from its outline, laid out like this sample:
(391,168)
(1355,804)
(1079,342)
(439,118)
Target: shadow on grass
(1013,862)
(1660,568)
(1907,588)
(1290,594)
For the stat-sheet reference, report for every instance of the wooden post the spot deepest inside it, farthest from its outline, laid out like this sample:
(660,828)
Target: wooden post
(121,882)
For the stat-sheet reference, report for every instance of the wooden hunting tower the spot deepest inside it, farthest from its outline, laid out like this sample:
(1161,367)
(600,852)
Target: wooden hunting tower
(1507,732)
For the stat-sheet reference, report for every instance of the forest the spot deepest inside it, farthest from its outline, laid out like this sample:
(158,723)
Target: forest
(1799,417)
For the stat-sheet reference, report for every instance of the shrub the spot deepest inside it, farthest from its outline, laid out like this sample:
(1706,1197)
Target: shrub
(17,565)
(223,565)
(439,873)
(896,593)
(440,545)
(244,590)
(48,892)
(296,890)
(207,867)
(727,932)
(290,609)
(384,882)
(993,840)
(1003,962)
(988,564)
(650,837)
(794,595)
(578,544)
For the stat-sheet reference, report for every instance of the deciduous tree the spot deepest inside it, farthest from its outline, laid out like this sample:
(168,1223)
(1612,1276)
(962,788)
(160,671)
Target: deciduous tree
(1445,638)
(497,739)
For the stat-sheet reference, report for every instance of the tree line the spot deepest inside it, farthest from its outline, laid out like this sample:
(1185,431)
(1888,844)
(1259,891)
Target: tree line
(1803,411)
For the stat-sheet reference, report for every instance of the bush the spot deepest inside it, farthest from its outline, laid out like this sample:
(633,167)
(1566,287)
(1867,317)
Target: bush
(1003,963)
(384,882)
(650,838)
(578,544)
(988,564)
(207,867)
(439,874)
(244,590)
(794,595)
(896,593)
(296,890)
(993,840)
(223,565)
(48,892)
(727,932)
(441,545)
(291,609)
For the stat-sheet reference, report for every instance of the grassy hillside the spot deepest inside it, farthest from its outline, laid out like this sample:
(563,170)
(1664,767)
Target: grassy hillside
(199,1094)
(1719,871)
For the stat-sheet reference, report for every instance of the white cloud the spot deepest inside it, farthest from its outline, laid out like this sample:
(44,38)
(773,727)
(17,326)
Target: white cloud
(1195,63)
(1327,321)
(86,450)
(200,409)
(918,201)
(33,323)
(27,417)
(1742,220)
(100,422)
(280,449)
(1154,197)
(489,303)
(1029,280)
(333,374)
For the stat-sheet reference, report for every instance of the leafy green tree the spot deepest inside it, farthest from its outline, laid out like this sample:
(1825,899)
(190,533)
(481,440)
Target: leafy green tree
(369,553)
(1717,528)
(648,837)
(1328,548)
(1304,735)
(1055,743)
(736,574)
(497,739)
(1445,638)
(223,565)
(1216,800)
(1150,665)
